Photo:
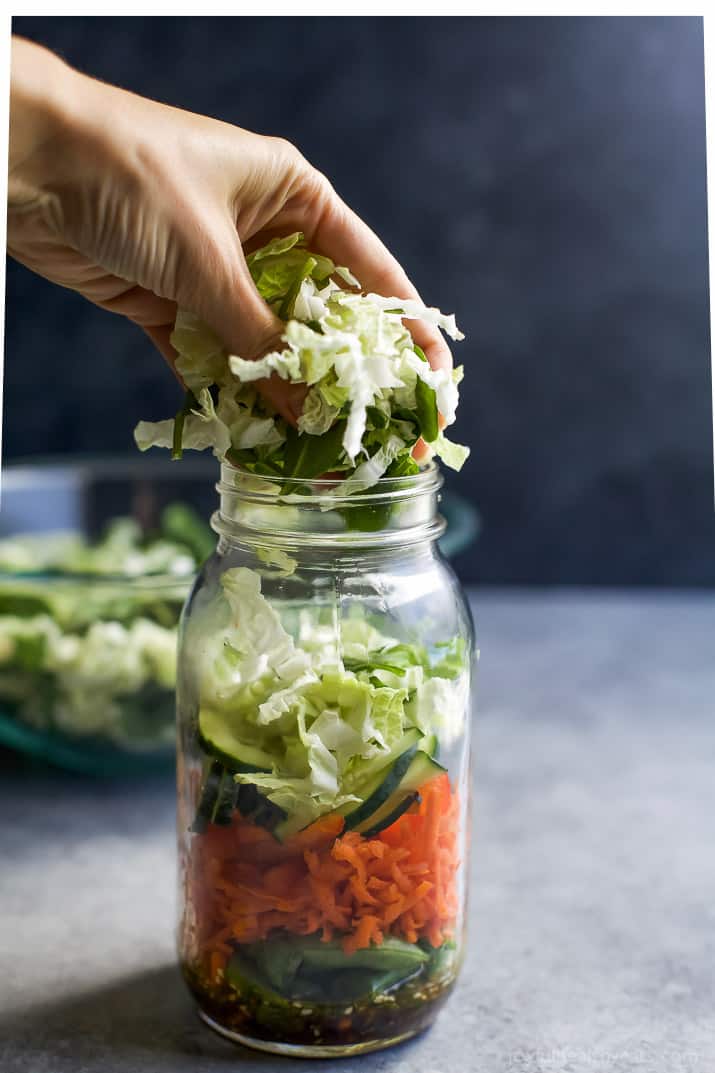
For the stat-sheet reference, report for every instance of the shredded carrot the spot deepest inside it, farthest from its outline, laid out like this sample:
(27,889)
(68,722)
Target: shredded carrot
(367,931)
(244,884)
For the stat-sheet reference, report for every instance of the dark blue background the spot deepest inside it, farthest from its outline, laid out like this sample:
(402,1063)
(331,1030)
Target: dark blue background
(544,178)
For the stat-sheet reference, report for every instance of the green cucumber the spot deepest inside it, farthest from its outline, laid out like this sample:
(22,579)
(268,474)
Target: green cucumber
(430,745)
(420,769)
(217,800)
(221,794)
(248,799)
(370,773)
(379,778)
(390,780)
(268,815)
(290,825)
(387,815)
(218,738)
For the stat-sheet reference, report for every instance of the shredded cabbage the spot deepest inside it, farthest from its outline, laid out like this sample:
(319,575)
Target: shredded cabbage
(87,637)
(325,703)
(122,550)
(365,373)
(115,680)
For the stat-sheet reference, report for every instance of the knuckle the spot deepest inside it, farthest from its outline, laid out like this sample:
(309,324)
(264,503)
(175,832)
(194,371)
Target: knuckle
(323,187)
(285,150)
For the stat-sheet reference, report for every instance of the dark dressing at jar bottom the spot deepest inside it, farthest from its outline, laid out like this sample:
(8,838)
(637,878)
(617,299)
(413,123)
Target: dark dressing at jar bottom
(366,1024)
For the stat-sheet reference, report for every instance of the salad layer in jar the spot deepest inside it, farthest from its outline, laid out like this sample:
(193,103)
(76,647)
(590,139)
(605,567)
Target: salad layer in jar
(323,834)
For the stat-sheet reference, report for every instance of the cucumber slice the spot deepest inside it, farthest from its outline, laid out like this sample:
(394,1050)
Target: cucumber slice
(221,794)
(387,815)
(219,739)
(248,798)
(389,782)
(217,800)
(371,772)
(421,768)
(430,745)
(268,815)
(226,803)
(378,780)
(389,793)
(290,825)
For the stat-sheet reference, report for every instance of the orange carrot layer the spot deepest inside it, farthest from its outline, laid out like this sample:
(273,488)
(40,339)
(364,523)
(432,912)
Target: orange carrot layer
(243,884)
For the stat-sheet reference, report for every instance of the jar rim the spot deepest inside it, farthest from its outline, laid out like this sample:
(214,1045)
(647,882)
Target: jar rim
(394,510)
(322,490)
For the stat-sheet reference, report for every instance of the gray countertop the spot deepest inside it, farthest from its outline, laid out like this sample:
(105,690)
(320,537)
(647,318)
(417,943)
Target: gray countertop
(592,916)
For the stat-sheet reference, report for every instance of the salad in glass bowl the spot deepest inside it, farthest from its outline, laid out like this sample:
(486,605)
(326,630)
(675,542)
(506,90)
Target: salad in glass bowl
(92,581)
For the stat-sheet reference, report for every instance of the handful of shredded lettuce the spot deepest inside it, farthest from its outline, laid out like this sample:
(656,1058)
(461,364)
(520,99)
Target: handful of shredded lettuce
(371,393)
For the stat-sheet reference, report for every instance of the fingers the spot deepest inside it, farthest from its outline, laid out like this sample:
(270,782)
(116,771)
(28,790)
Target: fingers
(342,235)
(209,276)
(138,304)
(287,398)
(241,318)
(419,450)
(421,447)
(225,297)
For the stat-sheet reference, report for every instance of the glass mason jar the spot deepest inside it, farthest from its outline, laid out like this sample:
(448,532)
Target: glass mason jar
(324,673)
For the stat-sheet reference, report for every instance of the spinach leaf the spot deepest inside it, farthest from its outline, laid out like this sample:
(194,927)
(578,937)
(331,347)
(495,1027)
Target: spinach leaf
(307,456)
(377,417)
(367,519)
(426,408)
(241,456)
(406,424)
(267,469)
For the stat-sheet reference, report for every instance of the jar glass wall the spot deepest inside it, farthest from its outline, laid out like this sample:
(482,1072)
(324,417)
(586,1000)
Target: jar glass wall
(323,700)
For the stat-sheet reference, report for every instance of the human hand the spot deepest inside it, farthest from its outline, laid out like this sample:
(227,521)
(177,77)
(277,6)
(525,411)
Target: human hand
(143,208)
